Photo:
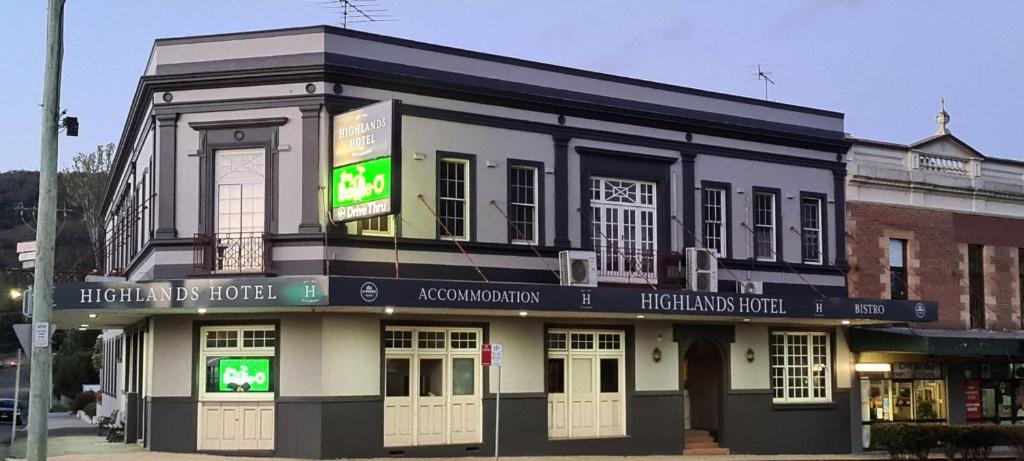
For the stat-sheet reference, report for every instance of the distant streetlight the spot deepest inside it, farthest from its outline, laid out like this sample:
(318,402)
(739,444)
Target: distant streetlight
(15,294)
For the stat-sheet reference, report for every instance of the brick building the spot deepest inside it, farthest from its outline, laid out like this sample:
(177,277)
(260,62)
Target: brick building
(938,220)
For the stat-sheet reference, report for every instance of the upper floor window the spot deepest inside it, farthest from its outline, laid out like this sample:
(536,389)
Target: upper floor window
(765,225)
(715,219)
(897,269)
(523,206)
(378,226)
(624,231)
(453,193)
(800,367)
(811,215)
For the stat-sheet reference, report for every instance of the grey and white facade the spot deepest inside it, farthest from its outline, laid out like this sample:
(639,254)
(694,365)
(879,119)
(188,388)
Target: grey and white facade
(371,331)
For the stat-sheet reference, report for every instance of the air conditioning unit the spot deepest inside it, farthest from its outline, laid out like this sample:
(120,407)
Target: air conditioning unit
(750,287)
(577,268)
(701,270)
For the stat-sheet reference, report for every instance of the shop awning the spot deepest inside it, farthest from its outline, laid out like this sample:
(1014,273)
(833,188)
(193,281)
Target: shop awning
(937,342)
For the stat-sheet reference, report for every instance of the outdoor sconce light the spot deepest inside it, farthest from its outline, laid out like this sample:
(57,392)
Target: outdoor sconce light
(656,355)
(750,355)
(419,156)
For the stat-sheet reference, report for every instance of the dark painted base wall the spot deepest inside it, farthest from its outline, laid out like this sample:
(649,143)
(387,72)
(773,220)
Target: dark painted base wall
(172,424)
(754,425)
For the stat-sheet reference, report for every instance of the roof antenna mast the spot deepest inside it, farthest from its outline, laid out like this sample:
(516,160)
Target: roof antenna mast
(358,11)
(765,76)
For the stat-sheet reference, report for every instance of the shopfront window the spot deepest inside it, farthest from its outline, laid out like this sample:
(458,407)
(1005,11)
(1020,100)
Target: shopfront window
(586,384)
(910,392)
(801,367)
(432,386)
(999,389)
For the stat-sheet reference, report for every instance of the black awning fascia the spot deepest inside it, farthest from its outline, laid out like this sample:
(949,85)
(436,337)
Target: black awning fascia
(869,340)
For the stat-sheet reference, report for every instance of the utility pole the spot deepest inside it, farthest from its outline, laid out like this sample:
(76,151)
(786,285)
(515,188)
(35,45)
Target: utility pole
(46,230)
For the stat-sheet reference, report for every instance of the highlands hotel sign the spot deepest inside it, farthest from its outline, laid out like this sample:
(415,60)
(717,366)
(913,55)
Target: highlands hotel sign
(361,292)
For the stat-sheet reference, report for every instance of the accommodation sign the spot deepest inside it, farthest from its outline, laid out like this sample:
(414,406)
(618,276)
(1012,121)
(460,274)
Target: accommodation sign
(356,291)
(366,162)
(194,293)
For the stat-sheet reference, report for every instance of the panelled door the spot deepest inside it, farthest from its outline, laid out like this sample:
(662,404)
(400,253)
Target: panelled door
(586,383)
(433,386)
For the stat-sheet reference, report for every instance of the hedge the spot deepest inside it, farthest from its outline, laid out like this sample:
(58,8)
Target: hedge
(973,442)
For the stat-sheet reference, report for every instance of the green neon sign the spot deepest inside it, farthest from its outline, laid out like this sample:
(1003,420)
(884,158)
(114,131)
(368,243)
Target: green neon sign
(243,375)
(361,190)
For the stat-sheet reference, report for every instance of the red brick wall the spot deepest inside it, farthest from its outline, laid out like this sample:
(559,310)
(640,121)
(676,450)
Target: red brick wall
(937,259)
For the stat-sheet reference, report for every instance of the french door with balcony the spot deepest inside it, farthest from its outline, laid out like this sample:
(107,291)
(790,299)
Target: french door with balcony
(239,210)
(624,233)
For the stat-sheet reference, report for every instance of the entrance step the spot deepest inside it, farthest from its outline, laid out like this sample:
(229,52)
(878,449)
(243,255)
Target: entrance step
(690,432)
(705,451)
(698,439)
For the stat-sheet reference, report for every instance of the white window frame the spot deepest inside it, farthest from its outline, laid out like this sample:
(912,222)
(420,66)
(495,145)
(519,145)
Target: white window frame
(818,230)
(722,224)
(466,200)
(615,262)
(239,350)
(390,232)
(783,385)
(774,256)
(535,206)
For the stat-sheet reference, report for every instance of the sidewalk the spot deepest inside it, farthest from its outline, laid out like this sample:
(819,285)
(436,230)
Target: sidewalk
(71,438)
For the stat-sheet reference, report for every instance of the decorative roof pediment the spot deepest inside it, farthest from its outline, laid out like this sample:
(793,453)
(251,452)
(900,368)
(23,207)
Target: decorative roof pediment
(946,144)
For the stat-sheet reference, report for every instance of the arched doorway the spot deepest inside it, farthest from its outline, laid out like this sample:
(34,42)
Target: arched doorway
(704,383)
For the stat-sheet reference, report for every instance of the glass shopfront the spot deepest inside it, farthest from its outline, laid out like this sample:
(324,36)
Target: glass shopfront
(997,389)
(907,392)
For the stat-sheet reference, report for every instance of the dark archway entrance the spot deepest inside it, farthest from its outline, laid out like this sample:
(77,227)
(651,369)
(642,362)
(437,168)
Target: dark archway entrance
(705,385)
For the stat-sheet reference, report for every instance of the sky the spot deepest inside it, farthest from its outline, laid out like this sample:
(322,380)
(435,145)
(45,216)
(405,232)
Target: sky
(884,64)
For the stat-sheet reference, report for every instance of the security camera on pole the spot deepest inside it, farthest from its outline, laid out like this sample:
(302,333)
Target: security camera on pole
(46,229)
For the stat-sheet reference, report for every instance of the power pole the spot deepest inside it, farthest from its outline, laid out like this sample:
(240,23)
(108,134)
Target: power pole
(46,230)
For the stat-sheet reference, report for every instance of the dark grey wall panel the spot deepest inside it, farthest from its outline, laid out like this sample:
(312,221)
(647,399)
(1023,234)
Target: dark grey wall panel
(172,424)
(353,429)
(298,433)
(752,424)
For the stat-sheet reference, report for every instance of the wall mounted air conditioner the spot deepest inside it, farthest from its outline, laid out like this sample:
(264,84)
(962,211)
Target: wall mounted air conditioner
(578,268)
(750,287)
(701,270)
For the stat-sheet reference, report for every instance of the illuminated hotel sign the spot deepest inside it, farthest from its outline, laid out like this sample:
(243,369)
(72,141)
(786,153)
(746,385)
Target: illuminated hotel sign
(366,162)
(243,375)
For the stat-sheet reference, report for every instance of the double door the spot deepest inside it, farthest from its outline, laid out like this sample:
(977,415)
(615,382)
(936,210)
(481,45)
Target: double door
(586,387)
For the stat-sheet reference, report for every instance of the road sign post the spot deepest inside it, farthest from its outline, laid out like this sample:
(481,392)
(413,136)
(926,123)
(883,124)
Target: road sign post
(491,355)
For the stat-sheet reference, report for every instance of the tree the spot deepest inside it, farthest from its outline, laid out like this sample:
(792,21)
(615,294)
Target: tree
(86,183)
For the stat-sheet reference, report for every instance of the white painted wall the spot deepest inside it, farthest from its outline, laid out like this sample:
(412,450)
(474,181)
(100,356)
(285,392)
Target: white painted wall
(750,375)
(300,355)
(171,365)
(523,360)
(351,355)
(650,375)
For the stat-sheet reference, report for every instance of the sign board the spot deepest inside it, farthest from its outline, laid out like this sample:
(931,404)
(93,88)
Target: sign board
(490,355)
(243,375)
(27,256)
(903,370)
(927,371)
(40,335)
(25,247)
(366,165)
(28,300)
(972,399)
(194,293)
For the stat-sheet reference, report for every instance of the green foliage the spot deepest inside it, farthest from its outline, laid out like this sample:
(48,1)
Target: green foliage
(906,441)
(90,409)
(972,442)
(72,364)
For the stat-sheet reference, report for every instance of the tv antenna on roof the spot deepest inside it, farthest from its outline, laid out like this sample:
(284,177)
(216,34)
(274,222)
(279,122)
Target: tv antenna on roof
(765,76)
(359,11)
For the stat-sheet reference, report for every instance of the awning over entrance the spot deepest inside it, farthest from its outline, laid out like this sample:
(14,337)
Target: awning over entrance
(937,342)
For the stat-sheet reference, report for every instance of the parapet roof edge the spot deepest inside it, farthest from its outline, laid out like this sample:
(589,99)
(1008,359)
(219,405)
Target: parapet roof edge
(494,58)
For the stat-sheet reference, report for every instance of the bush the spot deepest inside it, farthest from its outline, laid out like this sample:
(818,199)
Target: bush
(907,441)
(973,442)
(81,400)
(90,409)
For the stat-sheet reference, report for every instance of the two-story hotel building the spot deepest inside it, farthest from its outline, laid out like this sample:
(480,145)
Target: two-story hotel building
(258,316)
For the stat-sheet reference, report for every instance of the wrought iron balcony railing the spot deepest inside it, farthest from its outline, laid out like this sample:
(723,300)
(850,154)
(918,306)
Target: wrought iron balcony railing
(624,263)
(241,252)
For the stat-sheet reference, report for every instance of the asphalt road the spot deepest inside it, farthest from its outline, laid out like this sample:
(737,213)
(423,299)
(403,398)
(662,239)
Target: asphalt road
(7,379)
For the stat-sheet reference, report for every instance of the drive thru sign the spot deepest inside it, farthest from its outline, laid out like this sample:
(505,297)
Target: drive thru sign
(490,355)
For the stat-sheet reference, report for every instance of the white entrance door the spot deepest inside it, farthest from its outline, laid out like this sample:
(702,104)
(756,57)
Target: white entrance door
(464,420)
(582,396)
(431,404)
(398,401)
(611,403)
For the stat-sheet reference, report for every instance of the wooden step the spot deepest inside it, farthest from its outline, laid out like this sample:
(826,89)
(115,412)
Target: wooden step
(706,451)
(706,444)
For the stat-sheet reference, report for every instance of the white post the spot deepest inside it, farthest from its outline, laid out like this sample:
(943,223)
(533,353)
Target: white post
(497,415)
(17,382)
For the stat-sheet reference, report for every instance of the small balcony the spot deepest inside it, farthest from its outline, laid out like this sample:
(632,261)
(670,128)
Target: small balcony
(627,264)
(232,252)
(943,164)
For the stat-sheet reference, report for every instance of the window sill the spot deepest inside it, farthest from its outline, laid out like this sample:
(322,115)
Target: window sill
(780,406)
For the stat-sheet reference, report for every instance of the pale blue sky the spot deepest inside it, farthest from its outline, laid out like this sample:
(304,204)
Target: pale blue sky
(884,64)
